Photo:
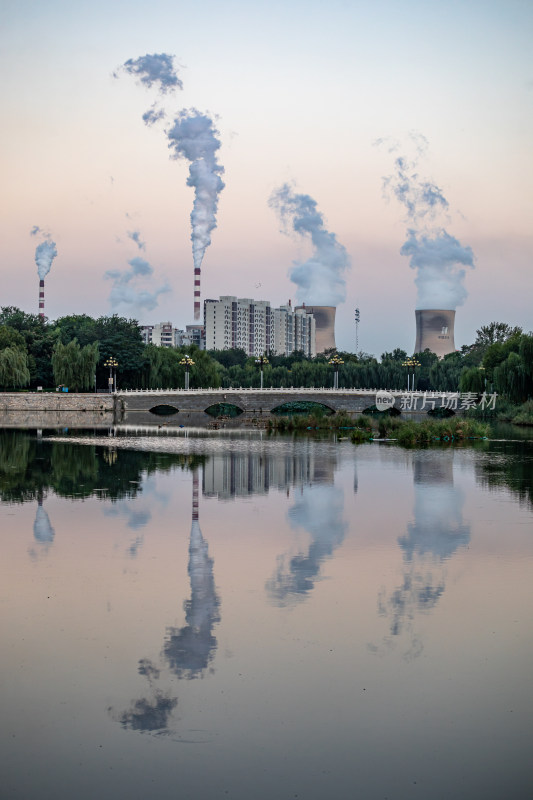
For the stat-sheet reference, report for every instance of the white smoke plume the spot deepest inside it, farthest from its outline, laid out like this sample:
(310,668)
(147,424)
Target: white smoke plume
(45,252)
(193,137)
(135,236)
(319,279)
(126,290)
(153,115)
(438,258)
(156,69)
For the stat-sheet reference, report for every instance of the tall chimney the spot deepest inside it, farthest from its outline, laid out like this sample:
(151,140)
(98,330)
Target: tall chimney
(325,326)
(41,297)
(434,331)
(197,293)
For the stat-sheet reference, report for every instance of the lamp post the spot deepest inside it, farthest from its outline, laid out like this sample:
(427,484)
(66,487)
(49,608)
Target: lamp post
(411,364)
(112,363)
(262,360)
(335,362)
(187,362)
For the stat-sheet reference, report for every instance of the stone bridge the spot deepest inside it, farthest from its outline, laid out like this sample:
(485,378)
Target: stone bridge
(191,406)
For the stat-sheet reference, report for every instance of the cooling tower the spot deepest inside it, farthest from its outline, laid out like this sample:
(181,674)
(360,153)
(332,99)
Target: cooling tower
(325,326)
(434,331)
(41,297)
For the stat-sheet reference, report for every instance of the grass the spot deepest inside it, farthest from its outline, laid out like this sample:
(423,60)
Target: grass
(318,420)
(430,431)
(405,432)
(524,414)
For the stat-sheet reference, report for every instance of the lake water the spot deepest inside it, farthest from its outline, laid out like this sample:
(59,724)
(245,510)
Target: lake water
(238,616)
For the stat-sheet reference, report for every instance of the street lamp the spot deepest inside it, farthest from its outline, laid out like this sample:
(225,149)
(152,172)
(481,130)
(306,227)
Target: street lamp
(411,364)
(335,362)
(262,360)
(187,362)
(112,363)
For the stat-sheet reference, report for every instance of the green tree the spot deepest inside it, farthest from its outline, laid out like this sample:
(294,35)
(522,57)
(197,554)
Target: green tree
(75,366)
(13,367)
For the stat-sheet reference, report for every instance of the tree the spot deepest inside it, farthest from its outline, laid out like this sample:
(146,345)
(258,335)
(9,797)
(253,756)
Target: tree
(396,355)
(495,332)
(9,337)
(74,366)
(13,367)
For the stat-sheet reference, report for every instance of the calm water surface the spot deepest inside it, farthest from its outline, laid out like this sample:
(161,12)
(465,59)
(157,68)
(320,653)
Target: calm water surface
(243,617)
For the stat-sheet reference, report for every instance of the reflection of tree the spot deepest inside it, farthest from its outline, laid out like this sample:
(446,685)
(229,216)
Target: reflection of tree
(190,649)
(30,467)
(432,538)
(319,510)
(508,464)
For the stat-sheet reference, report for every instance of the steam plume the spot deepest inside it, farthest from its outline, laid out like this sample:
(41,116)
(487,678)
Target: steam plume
(135,236)
(437,257)
(156,69)
(194,138)
(45,252)
(126,291)
(319,279)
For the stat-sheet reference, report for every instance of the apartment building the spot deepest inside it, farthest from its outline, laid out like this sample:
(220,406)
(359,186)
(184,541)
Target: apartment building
(256,328)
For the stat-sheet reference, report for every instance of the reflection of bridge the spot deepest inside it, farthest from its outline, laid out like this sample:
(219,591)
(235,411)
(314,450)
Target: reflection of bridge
(251,401)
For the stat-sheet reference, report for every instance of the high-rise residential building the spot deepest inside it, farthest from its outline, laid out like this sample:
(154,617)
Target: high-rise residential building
(294,329)
(161,334)
(164,335)
(232,322)
(256,328)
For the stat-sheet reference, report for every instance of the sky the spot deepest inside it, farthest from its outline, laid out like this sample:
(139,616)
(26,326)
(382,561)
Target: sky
(315,100)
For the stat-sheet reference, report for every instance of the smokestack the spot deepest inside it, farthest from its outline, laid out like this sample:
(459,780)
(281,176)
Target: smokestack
(41,298)
(434,331)
(325,326)
(197,293)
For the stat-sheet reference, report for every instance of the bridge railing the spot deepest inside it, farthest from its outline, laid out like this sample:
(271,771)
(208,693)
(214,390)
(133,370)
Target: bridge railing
(279,390)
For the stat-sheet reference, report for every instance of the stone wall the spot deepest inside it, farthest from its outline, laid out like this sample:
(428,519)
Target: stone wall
(56,401)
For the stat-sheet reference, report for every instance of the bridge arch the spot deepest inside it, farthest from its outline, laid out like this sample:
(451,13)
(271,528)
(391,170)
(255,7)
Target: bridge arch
(302,407)
(224,410)
(163,410)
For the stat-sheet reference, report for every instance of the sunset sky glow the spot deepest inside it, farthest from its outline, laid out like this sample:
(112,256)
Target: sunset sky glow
(300,93)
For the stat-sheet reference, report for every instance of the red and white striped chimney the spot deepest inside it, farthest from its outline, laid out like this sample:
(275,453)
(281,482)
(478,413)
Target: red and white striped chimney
(197,293)
(41,297)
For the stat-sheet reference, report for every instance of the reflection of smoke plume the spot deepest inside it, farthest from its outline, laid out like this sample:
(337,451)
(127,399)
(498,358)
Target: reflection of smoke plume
(436,256)
(45,252)
(437,532)
(156,69)
(194,137)
(149,714)
(42,528)
(148,669)
(125,290)
(190,649)
(319,511)
(319,279)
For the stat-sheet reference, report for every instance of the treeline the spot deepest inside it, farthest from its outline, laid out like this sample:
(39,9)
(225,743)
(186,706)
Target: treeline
(73,351)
